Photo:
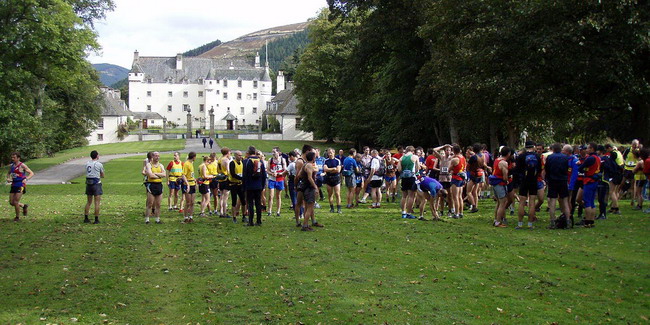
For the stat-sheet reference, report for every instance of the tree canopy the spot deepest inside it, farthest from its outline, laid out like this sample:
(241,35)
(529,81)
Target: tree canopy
(49,92)
(427,72)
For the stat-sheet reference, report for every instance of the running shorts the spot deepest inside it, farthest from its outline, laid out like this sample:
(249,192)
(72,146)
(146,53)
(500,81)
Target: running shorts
(333,180)
(18,189)
(408,184)
(375,183)
(275,185)
(309,195)
(557,189)
(589,194)
(155,189)
(350,181)
(204,189)
(191,189)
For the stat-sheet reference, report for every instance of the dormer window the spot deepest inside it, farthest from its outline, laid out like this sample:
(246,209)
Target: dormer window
(254,83)
(239,82)
(200,80)
(225,83)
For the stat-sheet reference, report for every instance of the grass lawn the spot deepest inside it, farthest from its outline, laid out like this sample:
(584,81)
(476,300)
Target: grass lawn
(285,145)
(365,266)
(105,149)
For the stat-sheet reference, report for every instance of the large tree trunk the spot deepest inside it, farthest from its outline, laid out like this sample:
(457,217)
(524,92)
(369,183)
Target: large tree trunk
(513,138)
(453,131)
(436,131)
(494,140)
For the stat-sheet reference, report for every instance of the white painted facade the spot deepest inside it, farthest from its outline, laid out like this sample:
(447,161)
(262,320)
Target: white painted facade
(170,86)
(113,114)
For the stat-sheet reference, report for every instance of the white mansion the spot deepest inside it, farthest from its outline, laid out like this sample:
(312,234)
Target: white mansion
(237,91)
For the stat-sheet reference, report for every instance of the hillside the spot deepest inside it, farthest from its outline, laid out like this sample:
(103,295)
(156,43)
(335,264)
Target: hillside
(248,44)
(110,73)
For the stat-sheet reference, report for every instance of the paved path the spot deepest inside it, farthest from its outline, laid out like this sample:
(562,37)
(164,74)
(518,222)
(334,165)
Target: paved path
(69,170)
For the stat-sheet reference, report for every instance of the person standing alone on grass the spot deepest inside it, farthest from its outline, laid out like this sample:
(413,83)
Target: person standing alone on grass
(254,176)
(94,174)
(16,176)
(155,174)
(189,187)
(175,169)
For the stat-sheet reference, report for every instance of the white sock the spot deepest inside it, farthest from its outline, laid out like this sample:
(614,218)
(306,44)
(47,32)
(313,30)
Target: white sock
(403,212)
(520,224)
(146,219)
(530,224)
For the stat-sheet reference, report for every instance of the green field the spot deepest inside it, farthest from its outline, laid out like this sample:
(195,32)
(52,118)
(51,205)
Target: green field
(365,266)
(285,145)
(105,149)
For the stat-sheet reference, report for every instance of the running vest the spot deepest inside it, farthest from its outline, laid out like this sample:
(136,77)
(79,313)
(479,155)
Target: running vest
(188,171)
(175,171)
(444,176)
(17,177)
(459,168)
(496,171)
(239,170)
(592,171)
(278,168)
(212,168)
(156,170)
(204,175)
(630,161)
(220,169)
(407,163)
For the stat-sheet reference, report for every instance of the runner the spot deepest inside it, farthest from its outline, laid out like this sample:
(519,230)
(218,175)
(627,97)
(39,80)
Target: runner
(628,174)
(332,167)
(444,155)
(556,170)
(457,166)
(291,172)
(16,176)
(603,183)
(591,168)
(358,178)
(145,182)
(307,185)
(189,187)
(409,167)
(541,180)
(615,176)
(155,173)
(576,184)
(377,171)
(366,158)
(476,168)
(349,171)
(639,180)
(431,163)
(320,162)
(254,176)
(175,170)
(94,191)
(213,168)
(204,181)
(299,208)
(428,189)
(276,173)
(390,178)
(499,181)
(235,180)
(222,169)
(529,165)
(645,157)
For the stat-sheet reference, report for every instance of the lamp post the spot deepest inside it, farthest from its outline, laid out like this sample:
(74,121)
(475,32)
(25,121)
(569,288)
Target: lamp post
(189,123)
(212,123)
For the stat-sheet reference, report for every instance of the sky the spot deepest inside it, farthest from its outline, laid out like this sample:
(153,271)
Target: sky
(167,27)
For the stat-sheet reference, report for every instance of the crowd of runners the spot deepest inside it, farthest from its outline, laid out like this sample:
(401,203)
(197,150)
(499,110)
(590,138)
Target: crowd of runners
(447,180)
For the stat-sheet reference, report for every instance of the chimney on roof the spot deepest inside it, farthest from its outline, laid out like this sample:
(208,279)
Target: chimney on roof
(117,94)
(179,61)
(280,82)
(136,55)
(257,59)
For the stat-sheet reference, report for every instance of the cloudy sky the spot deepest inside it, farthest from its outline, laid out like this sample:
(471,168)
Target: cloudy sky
(167,27)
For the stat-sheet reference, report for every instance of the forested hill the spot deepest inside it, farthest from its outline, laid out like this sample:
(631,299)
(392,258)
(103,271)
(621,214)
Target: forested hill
(110,73)
(202,49)
(281,51)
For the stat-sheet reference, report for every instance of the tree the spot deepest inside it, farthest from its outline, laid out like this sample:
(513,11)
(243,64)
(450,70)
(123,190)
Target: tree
(49,93)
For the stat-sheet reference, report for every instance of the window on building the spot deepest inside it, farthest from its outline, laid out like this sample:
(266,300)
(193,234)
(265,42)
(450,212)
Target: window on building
(248,96)
(238,95)
(186,108)
(228,109)
(148,93)
(200,80)
(201,107)
(218,92)
(218,82)
(225,83)
(149,80)
(151,121)
(100,137)
(239,83)
(100,124)
(241,110)
(254,110)
(210,82)
(298,120)
(243,121)
(255,84)
(148,108)
(169,94)
(225,95)
(185,94)
(254,96)
(200,94)
(169,108)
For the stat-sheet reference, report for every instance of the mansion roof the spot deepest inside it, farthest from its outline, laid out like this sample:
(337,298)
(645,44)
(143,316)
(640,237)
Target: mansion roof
(163,69)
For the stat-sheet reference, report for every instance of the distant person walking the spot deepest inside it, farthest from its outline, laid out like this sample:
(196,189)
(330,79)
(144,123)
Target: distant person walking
(204,141)
(94,174)
(211,142)
(16,176)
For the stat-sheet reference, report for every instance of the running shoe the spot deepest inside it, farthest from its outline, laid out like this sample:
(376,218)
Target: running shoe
(316,205)
(158,222)
(277,214)
(474,210)
(601,217)
(25,206)
(317,225)
(422,219)
(146,222)
(307,228)
(86,220)
(410,216)
(501,226)
(96,221)
(519,227)
(331,210)
(16,219)
(404,215)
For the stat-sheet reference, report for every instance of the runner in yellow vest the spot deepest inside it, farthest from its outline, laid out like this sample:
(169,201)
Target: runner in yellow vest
(204,185)
(189,187)
(175,170)
(214,185)
(155,173)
